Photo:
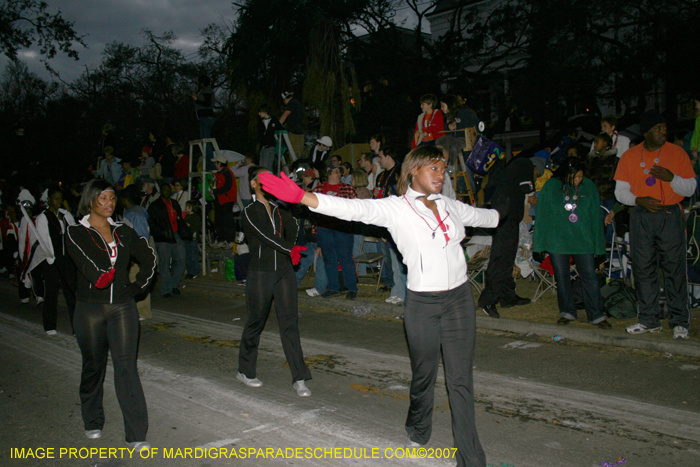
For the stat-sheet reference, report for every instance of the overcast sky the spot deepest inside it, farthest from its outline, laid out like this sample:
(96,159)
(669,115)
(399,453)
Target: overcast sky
(105,21)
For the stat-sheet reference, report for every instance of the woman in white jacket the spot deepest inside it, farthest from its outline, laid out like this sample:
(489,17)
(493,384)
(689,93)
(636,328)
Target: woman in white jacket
(57,268)
(440,311)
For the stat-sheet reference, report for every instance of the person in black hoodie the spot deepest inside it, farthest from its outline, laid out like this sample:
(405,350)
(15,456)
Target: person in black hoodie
(106,319)
(271,234)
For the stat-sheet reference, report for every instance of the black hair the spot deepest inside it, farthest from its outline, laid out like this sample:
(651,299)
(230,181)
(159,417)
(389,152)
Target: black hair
(568,169)
(389,151)
(131,193)
(253,172)
(54,189)
(264,108)
(605,137)
(90,194)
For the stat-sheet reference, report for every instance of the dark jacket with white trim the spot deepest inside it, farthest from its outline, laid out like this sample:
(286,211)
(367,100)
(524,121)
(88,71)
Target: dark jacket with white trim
(270,237)
(90,253)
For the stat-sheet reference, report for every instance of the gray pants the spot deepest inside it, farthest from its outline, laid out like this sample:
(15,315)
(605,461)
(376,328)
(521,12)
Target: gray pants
(658,239)
(448,320)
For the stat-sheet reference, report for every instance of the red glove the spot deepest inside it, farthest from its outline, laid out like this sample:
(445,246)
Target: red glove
(105,279)
(296,253)
(281,187)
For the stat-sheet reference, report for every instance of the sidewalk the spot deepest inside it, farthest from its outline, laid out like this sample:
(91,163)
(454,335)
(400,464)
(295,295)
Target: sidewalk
(537,319)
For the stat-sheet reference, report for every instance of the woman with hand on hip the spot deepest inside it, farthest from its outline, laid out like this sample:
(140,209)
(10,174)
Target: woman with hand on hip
(106,319)
(440,311)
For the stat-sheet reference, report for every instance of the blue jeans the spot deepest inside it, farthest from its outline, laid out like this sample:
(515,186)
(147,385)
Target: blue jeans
(307,259)
(399,288)
(205,126)
(387,270)
(585,265)
(337,249)
(171,264)
(192,258)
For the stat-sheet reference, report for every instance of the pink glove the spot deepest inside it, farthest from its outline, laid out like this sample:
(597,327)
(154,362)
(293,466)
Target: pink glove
(105,279)
(281,187)
(296,253)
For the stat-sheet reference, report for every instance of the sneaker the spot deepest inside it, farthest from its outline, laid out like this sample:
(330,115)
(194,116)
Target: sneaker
(53,332)
(251,383)
(312,292)
(302,390)
(604,325)
(392,299)
(491,311)
(139,446)
(242,282)
(351,295)
(399,301)
(39,300)
(519,301)
(410,444)
(679,332)
(330,294)
(639,328)
(93,434)
(24,301)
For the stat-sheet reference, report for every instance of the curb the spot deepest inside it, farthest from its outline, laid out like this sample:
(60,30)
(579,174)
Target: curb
(674,347)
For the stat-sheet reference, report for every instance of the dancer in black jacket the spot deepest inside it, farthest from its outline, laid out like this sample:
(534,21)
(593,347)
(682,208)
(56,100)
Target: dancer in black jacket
(106,319)
(271,235)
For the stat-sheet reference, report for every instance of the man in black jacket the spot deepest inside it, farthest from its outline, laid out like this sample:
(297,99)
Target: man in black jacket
(271,235)
(168,228)
(267,128)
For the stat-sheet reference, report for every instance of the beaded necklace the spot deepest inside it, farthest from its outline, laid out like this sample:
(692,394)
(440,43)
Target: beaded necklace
(571,202)
(650,181)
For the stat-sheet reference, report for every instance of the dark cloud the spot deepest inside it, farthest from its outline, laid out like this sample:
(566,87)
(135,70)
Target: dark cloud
(105,21)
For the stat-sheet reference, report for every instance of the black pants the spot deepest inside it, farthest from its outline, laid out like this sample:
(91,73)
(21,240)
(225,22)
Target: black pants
(115,329)
(447,320)
(225,222)
(260,288)
(500,285)
(37,284)
(659,238)
(59,273)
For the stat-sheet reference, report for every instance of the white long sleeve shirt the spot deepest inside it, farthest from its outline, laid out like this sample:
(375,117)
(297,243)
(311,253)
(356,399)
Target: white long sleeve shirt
(434,263)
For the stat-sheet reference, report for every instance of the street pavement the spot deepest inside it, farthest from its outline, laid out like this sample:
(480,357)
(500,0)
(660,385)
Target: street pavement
(567,403)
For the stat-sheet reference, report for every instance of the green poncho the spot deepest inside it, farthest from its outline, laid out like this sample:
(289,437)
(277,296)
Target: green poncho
(554,233)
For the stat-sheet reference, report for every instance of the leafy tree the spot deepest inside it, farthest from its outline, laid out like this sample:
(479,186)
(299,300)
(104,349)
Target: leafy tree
(27,22)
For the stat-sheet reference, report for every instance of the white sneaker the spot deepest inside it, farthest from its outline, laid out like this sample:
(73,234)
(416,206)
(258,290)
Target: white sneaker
(53,333)
(39,300)
(93,434)
(302,390)
(139,446)
(392,299)
(639,328)
(312,292)
(251,383)
(24,300)
(412,444)
(679,332)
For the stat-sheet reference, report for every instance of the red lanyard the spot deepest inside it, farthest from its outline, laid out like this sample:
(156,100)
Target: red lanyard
(441,224)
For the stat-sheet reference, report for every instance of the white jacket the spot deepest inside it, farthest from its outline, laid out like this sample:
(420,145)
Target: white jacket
(42,228)
(434,264)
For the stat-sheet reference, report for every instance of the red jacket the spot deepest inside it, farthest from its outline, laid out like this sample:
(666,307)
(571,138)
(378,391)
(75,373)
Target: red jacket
(225,188)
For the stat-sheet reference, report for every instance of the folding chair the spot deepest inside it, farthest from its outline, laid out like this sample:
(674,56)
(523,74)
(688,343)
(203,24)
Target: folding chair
(476,267)
(545,282)
(370,258)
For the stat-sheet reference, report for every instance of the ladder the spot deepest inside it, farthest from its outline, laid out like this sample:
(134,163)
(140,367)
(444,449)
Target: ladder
(469,140)
(202,145)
